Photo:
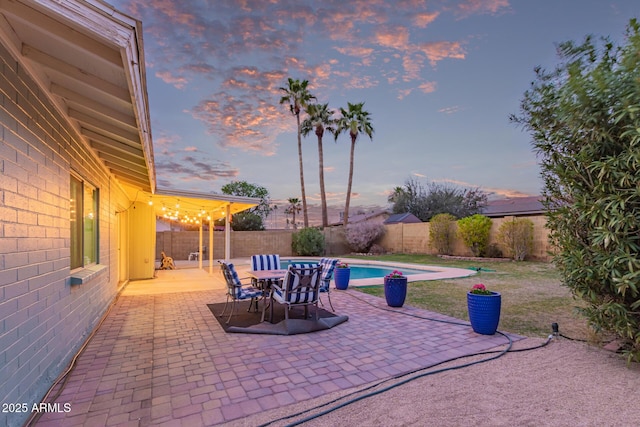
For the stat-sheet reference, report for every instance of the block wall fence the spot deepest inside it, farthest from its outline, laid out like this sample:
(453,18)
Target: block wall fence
(399,238)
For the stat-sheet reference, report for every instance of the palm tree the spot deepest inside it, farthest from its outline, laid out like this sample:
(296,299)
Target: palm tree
(297,95)
(292,209)
(319,119)
(354,120)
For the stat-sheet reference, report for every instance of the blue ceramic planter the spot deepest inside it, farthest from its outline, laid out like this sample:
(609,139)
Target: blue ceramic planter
(341,277)
(395,291)
(484,312)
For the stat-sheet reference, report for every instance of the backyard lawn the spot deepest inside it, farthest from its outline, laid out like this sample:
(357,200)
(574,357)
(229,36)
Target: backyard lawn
(532,294)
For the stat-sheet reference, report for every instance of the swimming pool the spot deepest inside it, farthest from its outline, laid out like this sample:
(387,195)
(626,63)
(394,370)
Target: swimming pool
(362,271)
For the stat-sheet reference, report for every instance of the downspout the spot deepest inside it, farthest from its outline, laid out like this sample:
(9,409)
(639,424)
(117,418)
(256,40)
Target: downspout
(200,246)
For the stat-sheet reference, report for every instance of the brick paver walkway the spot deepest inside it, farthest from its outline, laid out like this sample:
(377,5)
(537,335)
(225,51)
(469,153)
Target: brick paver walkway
(163,359)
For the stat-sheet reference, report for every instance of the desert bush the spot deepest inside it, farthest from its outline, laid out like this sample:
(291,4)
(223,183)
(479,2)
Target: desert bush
(493,251)
(474,232)
(517,237)
(583,117)
(441,233)
(377,249)
(308,242)
(361,235)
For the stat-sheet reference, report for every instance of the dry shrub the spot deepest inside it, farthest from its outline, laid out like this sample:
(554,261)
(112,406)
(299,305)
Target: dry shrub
(362,235)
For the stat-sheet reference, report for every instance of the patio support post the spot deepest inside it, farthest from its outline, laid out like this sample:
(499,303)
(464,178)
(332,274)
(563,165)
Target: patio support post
(211,225)
(227,233)
(200,246)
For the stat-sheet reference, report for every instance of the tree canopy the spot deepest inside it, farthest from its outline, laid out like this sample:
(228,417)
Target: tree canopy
(436,198)
(252,219)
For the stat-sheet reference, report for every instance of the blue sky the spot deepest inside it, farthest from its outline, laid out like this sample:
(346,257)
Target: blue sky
(439,78)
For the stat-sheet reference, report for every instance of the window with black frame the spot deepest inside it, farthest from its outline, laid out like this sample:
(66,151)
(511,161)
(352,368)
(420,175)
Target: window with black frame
(84,223)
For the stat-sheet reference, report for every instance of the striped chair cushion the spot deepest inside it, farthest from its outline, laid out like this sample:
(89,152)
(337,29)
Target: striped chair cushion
(328,265)
(240,291)
(288,294)
(265,262)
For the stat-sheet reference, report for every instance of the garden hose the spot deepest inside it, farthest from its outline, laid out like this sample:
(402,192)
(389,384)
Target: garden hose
(407,380)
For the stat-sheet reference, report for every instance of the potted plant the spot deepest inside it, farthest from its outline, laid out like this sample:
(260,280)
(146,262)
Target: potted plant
(395,288)
(341,275)
(484,309)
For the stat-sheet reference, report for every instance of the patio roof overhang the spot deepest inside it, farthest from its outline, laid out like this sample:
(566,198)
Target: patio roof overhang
(181,204)
(88,59)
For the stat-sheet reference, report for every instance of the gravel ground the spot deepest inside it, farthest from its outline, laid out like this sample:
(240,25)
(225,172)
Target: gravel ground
(565,383)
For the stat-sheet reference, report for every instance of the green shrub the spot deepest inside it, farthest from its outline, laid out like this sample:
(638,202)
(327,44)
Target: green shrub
(247,221)
(474,232)
(517,237)
(308,242)
(583,117)
(441,233)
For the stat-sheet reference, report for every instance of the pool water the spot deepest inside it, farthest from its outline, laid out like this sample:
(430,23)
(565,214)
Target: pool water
(359,271)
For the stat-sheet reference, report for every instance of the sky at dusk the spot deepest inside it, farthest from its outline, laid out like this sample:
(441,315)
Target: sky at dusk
(440,79)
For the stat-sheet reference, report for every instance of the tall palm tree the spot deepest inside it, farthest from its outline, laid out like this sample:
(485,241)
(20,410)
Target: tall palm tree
(354,120)
(297,96)
(292,209)
(319,119)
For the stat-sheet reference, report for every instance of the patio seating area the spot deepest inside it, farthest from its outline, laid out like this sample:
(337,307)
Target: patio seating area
(161,358)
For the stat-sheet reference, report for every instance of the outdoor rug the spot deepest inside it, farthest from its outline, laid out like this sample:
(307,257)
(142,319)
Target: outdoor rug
(249,322)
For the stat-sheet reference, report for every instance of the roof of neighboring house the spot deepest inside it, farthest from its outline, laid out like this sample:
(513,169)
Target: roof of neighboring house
(515,206)
(402,218)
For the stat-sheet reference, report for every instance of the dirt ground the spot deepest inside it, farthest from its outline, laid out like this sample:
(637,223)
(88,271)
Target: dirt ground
(565,383)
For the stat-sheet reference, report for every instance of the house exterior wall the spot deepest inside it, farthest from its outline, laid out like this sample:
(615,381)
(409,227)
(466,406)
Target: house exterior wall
(43,318)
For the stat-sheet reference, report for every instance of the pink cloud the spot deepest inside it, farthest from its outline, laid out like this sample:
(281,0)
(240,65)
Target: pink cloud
(428,87)
(423,19)
(437,51)
(396,37)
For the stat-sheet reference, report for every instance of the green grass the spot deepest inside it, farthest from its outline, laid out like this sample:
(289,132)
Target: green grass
(533,296)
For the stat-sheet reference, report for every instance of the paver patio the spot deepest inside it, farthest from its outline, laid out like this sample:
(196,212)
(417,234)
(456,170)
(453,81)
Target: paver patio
(161,358)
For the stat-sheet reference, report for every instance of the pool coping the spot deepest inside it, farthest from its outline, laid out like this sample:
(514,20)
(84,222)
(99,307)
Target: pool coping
(434,273)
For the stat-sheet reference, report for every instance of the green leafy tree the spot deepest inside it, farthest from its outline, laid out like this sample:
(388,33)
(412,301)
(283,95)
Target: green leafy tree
(319,119)
(298,96)
(355,121)
(247,221)
(584,119)
(245,189)
(474,232)
(436,198)
(517,237)
(442,232)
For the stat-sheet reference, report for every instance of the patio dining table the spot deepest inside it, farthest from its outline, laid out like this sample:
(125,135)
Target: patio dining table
(264,277)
